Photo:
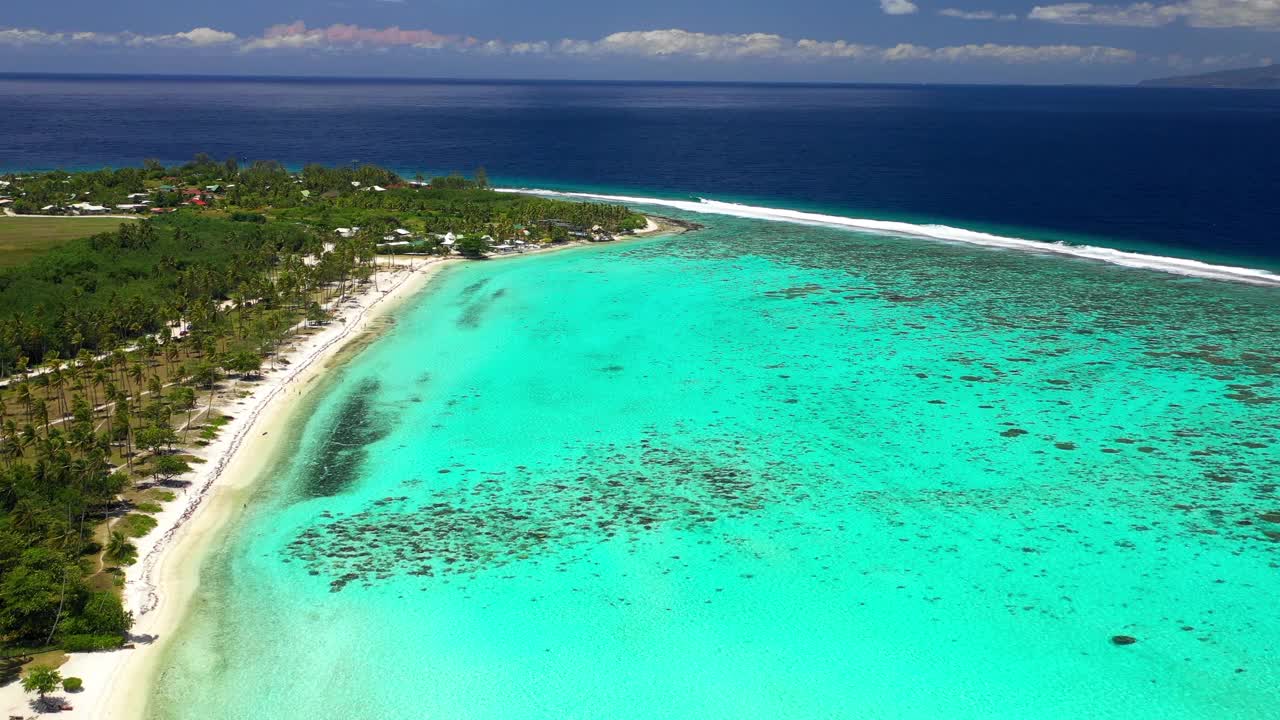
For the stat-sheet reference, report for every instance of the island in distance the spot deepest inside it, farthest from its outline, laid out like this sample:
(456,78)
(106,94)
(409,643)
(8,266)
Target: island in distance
(1266,77)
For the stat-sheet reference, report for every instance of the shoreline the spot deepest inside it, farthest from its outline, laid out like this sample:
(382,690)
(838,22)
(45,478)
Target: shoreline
(159,587)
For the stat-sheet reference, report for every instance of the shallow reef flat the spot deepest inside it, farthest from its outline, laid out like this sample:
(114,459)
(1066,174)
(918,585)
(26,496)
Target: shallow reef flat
(769,471)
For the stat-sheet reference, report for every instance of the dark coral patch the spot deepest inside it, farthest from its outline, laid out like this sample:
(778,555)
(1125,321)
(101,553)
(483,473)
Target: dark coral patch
(336,464)
(498,518)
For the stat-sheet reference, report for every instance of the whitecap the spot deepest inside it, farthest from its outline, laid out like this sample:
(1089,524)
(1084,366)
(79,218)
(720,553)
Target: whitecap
(1175,265)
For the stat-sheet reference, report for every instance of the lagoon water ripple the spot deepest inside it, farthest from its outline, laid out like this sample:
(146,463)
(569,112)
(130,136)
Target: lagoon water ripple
(769,471)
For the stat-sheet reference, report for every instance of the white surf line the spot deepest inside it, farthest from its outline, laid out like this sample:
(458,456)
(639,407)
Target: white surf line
(1176,266)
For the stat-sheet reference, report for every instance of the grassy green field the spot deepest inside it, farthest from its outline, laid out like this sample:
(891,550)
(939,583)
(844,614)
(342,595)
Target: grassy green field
(23,238)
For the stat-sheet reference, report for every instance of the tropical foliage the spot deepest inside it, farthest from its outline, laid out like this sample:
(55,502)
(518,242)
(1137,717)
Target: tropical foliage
(41,679)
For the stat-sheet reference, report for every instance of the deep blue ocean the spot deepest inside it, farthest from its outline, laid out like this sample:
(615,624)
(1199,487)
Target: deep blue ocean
(1169,171)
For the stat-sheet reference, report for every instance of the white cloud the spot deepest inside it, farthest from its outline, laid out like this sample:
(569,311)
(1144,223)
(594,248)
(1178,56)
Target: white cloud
(1259,14)
(198,37)
(206,36)
(1237,60)
(674,42)
(1081,13)
(898,7)
(821,50)
(977,15)
(703,46)
(646,44)
(283,42)
(529,48)
(1012,54)
(297,35)
(1234,13)
(19,36)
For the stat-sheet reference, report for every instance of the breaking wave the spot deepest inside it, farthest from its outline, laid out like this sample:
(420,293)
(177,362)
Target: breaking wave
(1178,266)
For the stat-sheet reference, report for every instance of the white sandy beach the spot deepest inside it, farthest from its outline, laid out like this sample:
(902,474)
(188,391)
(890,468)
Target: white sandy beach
(160,585)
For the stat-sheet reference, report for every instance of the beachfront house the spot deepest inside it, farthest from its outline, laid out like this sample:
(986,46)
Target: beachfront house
(87,208)
(447,240)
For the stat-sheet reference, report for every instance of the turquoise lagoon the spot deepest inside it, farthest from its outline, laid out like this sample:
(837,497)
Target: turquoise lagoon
(768,471)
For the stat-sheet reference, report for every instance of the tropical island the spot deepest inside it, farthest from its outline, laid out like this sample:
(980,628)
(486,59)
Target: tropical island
(1266,77)
(141,305)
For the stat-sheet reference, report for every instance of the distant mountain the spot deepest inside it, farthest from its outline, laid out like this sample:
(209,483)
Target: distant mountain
(1266,77)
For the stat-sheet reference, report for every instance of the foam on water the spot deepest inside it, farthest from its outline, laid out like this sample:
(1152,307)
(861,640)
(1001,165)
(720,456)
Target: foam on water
(1177,266)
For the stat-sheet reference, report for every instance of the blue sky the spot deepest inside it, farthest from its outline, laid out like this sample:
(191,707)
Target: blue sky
(797,40)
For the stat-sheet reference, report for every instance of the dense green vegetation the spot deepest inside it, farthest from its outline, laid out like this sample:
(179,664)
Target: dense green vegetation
(110,342)
(93,293)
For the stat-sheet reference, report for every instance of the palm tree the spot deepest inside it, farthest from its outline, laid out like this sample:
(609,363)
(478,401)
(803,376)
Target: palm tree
(100,380)
(207,374)
(119,550)
(42,414)
(170,351)
(136,374)
(13,444)
(25,397)
(57,379)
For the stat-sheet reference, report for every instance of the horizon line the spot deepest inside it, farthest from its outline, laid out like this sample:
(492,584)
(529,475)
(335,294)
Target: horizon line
(24,75)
